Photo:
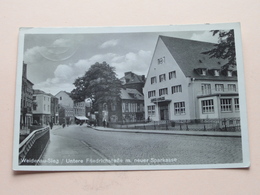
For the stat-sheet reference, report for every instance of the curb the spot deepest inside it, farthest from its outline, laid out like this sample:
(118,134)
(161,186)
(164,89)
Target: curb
(171,132)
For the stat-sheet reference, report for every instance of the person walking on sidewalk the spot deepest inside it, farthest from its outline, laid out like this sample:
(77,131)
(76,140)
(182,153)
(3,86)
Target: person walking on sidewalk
(51,124)
(104,123)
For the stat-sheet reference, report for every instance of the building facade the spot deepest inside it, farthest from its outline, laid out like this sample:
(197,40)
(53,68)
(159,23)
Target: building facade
(54,109)
(130,108)
(41,108)
(26,117)
(132,105)
(184,84)
(68,109)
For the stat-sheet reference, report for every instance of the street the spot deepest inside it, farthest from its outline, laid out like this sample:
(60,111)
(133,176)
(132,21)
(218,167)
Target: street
(80,145)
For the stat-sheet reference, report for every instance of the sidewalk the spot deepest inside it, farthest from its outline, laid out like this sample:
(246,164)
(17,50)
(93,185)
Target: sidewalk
(173,132)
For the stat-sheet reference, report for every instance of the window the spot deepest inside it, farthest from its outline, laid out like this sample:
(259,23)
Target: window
(162,78)
(179,108)
(206,89)
(123,107)
(153,80)
(126,107)
(216,73)
(60,98)
(201,71)
(151,110)
(229,73)
(163,91)
(172,75)
(219,87)
(236,104)
(34,106)
(176,89)
(207,106)
(226,105)
(232,87)
(151,93)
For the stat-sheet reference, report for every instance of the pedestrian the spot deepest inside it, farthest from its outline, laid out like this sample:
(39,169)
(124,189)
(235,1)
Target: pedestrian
(104,123)
(51,124)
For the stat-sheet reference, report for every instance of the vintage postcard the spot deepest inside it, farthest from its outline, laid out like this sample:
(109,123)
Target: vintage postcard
(130,98)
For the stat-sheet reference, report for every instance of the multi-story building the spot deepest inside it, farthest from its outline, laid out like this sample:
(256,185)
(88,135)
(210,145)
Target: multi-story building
(69,109)
(182,83)
(132,105)
(54,109)
(26,100)
(41,107)
(130,108)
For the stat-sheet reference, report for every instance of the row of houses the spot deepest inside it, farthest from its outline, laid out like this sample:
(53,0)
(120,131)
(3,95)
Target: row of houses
(41,108)
(181,84)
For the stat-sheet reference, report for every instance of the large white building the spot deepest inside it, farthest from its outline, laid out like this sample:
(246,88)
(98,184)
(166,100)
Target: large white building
(183,84)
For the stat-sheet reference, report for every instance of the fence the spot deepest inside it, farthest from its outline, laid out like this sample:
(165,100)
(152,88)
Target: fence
(31,148)
(225,124)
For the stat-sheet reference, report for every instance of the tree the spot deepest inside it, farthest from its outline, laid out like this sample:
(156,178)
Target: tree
(100,84)
(225,49)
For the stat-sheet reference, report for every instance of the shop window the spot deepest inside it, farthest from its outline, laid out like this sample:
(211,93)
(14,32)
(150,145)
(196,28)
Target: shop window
(151,110)
(226,105)
(179,108)
(207,106)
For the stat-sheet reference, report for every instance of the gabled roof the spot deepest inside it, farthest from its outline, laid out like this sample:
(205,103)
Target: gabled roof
(188,55)
(38,91)
(65,92)
(131,94)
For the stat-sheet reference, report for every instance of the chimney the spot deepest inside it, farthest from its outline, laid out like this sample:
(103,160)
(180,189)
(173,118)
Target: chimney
(128,73)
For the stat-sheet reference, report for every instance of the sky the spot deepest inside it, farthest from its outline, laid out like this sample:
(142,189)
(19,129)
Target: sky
(54,61)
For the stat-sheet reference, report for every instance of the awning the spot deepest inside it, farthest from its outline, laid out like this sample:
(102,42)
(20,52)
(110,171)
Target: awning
(81,118)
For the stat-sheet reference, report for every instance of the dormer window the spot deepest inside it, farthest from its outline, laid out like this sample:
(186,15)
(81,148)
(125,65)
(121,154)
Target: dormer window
(201,71)
(216,73)
(229,73)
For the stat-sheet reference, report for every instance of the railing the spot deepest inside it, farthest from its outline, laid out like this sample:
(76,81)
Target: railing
(31,148)
(225,124)
(218,91)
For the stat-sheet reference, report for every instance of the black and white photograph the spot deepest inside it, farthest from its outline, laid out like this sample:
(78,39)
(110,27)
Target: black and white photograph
(130,98)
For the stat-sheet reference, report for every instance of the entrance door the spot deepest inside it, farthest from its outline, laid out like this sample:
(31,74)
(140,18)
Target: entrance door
(164,113)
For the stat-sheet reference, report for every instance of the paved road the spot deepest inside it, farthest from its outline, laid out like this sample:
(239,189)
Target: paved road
(79,145)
